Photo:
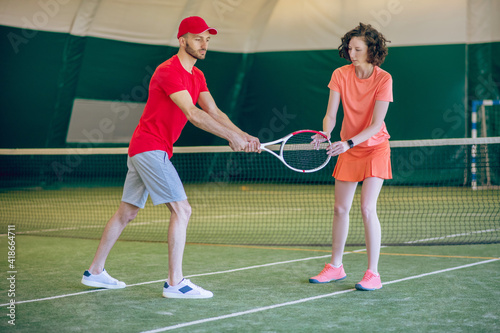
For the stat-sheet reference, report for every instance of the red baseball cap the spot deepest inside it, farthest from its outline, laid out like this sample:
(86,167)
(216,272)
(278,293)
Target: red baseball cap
(194,25)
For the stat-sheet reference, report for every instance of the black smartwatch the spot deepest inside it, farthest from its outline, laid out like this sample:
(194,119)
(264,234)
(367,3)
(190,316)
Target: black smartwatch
(350,143)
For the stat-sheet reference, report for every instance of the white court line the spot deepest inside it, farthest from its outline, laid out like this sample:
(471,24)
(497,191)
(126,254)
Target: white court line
(452,236)
(237,314)
(189,276)
(303,300)
(131,224)
(134,224)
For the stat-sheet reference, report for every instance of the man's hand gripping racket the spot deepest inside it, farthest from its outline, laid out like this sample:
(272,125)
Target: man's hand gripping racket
(302,151)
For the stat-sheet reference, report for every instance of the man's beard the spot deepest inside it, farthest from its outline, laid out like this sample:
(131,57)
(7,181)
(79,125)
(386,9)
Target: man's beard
(193,53)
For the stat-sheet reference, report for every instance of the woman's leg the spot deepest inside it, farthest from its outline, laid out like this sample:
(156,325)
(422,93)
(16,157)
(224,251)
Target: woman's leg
(344,194)
(369,196)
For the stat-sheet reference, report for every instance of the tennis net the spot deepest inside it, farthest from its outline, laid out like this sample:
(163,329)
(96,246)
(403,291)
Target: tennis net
(240,198)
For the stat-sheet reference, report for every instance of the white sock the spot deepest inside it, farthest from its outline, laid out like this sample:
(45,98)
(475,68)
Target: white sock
(335,266)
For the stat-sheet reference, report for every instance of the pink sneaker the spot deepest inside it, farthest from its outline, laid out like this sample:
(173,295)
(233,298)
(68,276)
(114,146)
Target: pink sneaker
(329,274)
(370,281)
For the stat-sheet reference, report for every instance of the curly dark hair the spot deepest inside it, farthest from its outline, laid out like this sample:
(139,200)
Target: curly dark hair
(377,50)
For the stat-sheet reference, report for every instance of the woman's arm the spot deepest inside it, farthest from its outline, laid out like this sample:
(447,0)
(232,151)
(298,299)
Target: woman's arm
(329,119)
(379,112)
(331,113)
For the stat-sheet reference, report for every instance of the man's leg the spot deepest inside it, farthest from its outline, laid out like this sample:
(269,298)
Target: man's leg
(179,218)
(96,276)
(176,286)
(125,213)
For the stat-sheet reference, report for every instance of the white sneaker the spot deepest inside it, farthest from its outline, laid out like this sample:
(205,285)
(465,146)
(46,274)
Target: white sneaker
(185,289)
(103,280)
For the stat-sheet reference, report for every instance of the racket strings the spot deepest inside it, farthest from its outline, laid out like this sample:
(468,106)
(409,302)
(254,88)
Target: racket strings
(300,153)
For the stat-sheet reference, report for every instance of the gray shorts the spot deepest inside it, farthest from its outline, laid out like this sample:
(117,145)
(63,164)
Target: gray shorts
(152,173)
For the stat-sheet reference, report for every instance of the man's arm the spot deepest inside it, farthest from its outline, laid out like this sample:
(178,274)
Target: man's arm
(204,121)
(207,103)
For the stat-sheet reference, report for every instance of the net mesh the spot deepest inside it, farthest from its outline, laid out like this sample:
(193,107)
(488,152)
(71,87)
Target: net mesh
(240,198)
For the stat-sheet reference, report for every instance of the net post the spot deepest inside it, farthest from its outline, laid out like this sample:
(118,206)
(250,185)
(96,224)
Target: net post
(475,105)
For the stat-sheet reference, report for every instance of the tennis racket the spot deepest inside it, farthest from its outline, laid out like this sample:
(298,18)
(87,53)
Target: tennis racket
(299,151)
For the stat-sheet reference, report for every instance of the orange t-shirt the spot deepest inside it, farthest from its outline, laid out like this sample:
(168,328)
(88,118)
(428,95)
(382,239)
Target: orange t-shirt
(358,100)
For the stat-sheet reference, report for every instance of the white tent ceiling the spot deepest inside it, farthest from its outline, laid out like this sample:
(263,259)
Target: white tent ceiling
(262,25)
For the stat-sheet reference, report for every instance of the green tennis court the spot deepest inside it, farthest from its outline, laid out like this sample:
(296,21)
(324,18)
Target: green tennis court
(76,78)
(256,289)
(255,246)
(257,233)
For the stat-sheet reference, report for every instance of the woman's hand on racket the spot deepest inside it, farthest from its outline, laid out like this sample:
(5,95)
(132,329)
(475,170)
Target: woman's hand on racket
(317,139)
(337,148)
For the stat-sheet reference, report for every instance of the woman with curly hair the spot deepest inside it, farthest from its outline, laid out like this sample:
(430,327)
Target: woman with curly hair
(364,153)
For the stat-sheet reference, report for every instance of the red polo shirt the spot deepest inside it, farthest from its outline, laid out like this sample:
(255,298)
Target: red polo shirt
(162,121)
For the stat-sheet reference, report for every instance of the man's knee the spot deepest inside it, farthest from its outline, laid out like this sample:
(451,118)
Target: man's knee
(185,210)
(181,208)
(127,212)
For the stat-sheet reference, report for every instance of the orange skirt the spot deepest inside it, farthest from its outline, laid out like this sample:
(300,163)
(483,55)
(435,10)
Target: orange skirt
(359,163)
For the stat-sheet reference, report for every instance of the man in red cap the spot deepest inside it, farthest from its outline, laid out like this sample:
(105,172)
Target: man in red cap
(175,89)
